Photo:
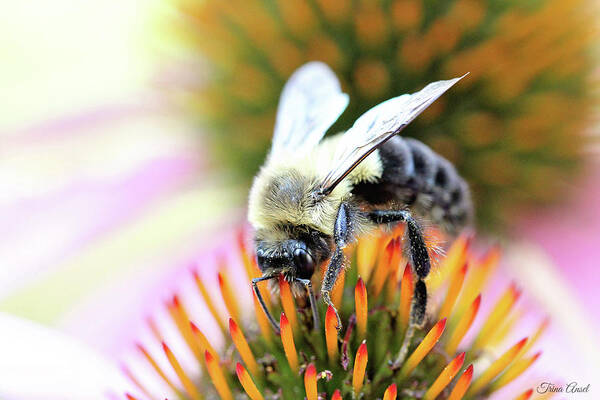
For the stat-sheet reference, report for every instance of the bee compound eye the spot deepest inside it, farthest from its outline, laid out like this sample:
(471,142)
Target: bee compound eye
(304,262)
(260,258)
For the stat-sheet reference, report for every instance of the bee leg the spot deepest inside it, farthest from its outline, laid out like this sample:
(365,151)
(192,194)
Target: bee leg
(418,255)
(333,270)
(262,303)
(342,235)
(313,304)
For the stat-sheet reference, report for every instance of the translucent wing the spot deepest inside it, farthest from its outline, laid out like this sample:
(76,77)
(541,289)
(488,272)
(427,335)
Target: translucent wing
(311,101)
(378,125)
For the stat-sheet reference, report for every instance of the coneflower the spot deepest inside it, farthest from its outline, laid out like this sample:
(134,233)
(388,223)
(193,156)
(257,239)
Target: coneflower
(522,113)
(378,354)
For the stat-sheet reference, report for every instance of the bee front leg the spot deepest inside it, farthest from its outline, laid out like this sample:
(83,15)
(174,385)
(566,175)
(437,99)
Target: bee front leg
(262,303)
(313,304)
(418,255)
(342,235)
(333,270)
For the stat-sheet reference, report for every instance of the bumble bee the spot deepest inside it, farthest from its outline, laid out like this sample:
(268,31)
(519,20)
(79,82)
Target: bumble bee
(314,196)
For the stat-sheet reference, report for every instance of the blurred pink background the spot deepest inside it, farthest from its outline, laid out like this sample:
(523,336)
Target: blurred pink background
(106,197)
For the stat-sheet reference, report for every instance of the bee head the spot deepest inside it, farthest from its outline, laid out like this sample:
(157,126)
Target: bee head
(290,256)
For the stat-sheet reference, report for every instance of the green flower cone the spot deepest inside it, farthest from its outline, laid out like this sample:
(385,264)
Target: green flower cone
(459,352)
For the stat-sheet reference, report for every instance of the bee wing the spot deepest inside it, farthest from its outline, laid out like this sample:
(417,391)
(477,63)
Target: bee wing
(311,101)
(378,125)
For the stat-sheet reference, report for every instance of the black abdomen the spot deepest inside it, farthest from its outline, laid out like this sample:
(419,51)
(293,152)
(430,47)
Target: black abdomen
(415,176)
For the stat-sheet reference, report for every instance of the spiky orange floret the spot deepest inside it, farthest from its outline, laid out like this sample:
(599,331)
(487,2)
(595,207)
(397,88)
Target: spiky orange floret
(185,380)
(462,385)
(360,300)
(247,383)
(430,339)
(496,367)
(310,382)
(217,377)
(498,314)
(360,366)
(203,343)
(288,365)
(453,292)
(445,377)
(241,344)
(228,295)
(463,326)
(287,339)
(208,300)
(331,334)
(406,294)
(390,392)
(287,302)
(337,395)
(525,395)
